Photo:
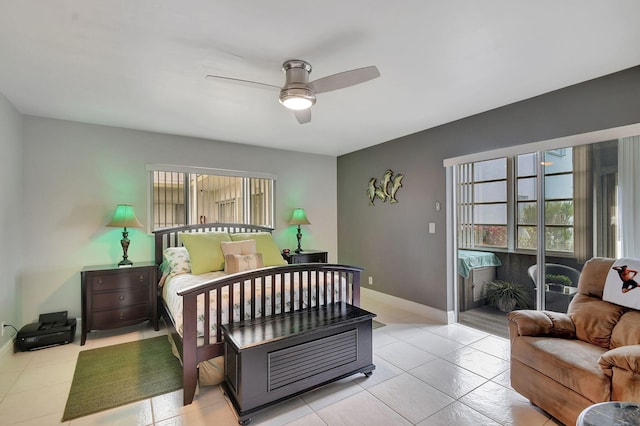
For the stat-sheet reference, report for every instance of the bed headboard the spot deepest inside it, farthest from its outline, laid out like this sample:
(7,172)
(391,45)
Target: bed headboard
(168,237)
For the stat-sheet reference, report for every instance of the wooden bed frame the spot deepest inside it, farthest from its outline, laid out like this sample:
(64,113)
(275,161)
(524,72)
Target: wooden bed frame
(193,350)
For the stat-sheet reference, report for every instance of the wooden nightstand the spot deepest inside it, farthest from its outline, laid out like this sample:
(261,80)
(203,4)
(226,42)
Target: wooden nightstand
(306,256)
(115,297)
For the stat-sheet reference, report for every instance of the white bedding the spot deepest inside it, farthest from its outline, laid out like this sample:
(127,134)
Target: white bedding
(175,283)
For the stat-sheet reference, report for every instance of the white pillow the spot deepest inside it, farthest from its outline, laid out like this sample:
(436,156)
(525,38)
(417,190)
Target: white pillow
(621,285)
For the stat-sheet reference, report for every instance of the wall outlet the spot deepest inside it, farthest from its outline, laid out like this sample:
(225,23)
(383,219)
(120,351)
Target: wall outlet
(2,328)
(370,280)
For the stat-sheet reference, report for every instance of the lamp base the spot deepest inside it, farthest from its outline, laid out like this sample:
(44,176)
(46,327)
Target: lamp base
(125,248)
(124,263)
(299,236)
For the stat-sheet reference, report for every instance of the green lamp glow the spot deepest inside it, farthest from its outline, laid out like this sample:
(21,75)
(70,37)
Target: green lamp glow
(299,217)
(124,216)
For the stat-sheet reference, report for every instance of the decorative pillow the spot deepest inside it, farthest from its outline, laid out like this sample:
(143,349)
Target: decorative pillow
(204,250)
(264,244)
(621,285)
(238,247)
(242,262)
(176,260)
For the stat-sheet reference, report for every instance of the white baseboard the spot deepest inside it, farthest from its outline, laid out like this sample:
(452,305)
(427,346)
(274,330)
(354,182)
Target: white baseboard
(445,317)
(7,348)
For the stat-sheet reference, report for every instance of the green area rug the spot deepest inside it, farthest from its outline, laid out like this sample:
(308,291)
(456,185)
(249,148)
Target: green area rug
(117,375)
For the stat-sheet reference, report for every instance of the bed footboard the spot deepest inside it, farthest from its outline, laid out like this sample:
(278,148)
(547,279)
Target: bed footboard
(321,284)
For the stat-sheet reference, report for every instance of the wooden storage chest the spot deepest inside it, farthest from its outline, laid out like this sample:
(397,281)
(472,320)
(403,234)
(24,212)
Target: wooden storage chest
(271,359)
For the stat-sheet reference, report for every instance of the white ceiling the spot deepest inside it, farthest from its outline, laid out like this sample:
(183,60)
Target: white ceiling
(142,64)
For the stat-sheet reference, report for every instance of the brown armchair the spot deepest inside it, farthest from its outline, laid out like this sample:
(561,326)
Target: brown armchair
(564,363)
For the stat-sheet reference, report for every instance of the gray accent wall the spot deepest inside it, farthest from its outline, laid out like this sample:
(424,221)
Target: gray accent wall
(392,242)
(10,216)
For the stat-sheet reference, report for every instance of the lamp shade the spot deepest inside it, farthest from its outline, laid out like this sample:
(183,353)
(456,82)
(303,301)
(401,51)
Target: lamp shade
(124,217)
(299,217)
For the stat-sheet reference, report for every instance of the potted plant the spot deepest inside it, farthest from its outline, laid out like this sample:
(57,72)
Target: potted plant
(506,295)
(557,282)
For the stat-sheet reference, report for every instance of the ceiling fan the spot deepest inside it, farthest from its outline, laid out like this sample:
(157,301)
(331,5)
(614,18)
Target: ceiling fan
(299,94)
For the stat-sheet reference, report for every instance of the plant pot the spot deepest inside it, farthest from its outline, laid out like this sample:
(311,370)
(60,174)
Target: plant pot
(506,305)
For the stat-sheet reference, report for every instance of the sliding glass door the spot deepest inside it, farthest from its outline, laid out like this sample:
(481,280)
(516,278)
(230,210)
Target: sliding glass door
(563,191)
(540,215)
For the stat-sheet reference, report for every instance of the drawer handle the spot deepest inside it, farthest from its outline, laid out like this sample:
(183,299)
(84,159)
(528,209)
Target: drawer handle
(121,316)
(100,282)
(141,278)
(121,297)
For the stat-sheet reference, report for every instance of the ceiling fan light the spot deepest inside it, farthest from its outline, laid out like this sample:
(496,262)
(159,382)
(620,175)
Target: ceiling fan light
(296,103)
(297,98)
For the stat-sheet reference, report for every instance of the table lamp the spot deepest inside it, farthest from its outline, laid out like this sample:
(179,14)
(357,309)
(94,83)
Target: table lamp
(299,217)
(124,216)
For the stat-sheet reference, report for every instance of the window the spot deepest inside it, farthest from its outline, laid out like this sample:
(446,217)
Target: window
(488,217)
(482,209)
(558,200)
(558,203)
(184,196)
(527,202)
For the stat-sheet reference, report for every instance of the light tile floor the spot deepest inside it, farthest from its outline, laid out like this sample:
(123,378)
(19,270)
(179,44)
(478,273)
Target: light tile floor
(426,374)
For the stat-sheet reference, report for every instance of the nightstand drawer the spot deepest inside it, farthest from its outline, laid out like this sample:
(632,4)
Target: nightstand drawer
(114,317)
(127,297)
(117,281)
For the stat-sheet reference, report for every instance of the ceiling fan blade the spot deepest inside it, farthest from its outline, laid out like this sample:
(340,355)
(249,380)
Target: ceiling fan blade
(244,82)
(303,116)
(344,79)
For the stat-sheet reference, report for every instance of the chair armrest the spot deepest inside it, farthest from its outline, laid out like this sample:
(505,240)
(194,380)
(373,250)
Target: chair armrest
(622,365)
(624,357)
(541,323)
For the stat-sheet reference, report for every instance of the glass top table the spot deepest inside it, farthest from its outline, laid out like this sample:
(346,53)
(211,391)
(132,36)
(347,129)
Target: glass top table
(610,414)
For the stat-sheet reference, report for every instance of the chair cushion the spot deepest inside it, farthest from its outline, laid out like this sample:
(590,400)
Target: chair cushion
(627,330)
(594,319)
(570,362)
(593,276)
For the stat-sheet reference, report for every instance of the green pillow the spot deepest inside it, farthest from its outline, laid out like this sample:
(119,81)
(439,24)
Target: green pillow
(204,250)
(264,244)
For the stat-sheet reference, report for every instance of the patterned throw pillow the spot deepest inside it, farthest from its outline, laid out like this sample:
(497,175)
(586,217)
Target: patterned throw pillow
(242,262)
(177,259)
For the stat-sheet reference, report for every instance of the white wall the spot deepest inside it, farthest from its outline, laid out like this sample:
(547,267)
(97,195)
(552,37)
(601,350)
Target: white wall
(10,214)
(75,174)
